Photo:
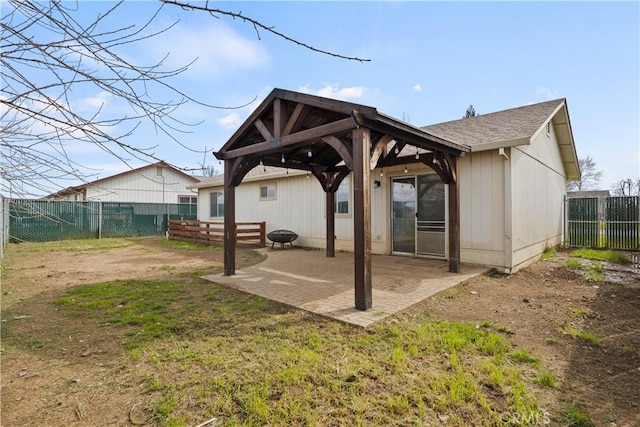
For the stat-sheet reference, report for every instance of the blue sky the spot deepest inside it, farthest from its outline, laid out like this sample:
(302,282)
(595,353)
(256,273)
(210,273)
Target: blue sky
(429,61)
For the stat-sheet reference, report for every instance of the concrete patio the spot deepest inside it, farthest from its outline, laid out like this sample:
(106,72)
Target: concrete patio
(308,280)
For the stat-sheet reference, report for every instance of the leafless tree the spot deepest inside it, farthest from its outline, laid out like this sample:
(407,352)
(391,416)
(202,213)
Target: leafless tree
(626,187)
(47,53)
(590,176)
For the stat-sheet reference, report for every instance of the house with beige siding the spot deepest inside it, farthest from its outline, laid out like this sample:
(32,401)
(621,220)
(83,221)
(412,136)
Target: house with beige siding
(154,183)
(511,177)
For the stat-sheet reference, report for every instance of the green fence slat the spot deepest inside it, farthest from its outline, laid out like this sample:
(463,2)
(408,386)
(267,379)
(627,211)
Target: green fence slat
(618,228)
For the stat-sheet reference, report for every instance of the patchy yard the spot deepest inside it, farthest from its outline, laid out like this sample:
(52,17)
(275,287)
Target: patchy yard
(123,332)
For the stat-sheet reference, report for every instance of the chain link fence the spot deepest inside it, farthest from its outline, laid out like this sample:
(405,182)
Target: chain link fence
(43,221)
(4,223)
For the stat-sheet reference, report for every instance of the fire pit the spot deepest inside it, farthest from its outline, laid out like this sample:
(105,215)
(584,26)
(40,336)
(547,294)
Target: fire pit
(282,237)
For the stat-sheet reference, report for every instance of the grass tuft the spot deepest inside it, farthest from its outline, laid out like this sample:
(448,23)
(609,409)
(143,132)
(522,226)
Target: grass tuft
(580,312)
(601,255)
(574,264)
(595,272)
(577,333)
(576,416)
(546,379)
(524,357)
(548,253)
(179,244)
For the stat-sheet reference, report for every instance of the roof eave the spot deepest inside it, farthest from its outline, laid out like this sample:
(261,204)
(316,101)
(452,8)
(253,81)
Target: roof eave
(501,144)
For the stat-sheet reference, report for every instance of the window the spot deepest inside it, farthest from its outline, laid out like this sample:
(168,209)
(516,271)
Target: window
(342,197)
(191,200)
(217,203)
(268,192)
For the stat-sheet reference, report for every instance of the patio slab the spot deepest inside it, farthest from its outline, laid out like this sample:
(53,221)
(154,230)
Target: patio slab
(307,279)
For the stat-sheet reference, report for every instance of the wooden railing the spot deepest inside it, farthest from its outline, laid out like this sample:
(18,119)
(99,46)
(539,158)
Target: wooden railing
(212,232)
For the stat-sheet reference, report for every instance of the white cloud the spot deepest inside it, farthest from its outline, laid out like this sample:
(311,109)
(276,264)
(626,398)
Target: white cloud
(417,87)
(217,49)
(334,91)
(230,121)
(547,93)
(93,103)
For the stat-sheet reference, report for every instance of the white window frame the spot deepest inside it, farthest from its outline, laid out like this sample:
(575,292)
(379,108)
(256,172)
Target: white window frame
(268,186)
(211,201)
(345,187)
(191,197)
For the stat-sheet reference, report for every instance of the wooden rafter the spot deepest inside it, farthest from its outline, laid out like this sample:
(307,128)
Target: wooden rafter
(263,129)
(291,141)
(379,150)
(279,117)
(341,147)
(296,119)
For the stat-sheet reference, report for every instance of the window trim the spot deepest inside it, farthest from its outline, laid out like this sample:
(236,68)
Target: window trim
(190,196)
(211,199)
(273,184)
(348,181)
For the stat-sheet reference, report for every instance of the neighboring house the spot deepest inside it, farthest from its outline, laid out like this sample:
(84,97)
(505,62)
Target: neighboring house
(511,185)
(156,183)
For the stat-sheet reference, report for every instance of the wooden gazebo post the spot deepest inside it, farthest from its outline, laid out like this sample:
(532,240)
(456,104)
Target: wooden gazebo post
(362,218)
(331,223)
(229,219)
(454,216)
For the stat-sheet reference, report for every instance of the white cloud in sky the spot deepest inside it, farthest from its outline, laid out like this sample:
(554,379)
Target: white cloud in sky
(230,121)
(93,103)
(219,50)
(547,93)
(417,87)
(336,92)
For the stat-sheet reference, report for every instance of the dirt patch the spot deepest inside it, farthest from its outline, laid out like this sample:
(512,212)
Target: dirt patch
(71,371)
(31,273)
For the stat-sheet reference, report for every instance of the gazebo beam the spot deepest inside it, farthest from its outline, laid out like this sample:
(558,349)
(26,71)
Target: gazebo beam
(289,141)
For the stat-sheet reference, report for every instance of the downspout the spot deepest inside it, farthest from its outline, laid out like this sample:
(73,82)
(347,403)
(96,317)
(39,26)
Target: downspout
(508,244)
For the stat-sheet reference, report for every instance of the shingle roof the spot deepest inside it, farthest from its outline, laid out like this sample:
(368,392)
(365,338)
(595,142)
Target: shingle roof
(258,173)
(513,125)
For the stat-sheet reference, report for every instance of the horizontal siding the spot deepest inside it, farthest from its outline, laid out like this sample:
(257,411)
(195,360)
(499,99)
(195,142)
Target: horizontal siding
(299,206)
(143,187)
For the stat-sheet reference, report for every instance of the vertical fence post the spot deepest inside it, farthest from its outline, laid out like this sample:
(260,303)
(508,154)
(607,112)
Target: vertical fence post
(100,220)
(263,234)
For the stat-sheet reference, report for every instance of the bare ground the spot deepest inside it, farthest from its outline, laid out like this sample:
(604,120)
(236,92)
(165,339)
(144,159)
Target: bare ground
(79,375)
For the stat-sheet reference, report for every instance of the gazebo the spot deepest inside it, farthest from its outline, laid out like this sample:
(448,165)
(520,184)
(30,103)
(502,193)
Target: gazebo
(331,139)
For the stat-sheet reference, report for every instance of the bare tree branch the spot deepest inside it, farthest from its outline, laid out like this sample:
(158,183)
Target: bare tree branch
(259,25)
(50,56)
(590,176)
(626,187)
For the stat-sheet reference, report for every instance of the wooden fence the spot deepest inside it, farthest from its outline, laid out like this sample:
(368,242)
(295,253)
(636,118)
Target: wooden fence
(212,232)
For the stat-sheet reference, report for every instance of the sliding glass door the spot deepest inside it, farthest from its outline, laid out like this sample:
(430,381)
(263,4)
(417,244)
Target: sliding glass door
(418,217)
